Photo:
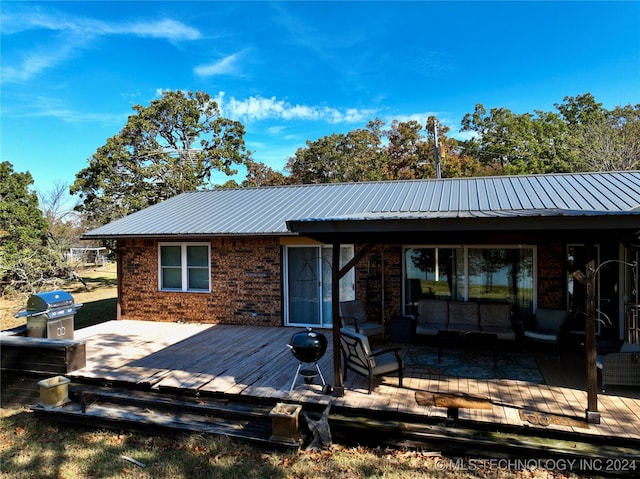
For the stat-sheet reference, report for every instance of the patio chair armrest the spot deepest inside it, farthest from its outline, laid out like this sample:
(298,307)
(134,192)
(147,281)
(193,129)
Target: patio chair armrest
(379,352)
(349,320)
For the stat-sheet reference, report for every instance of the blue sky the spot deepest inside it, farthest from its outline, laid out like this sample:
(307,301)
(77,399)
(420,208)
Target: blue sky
(296,71)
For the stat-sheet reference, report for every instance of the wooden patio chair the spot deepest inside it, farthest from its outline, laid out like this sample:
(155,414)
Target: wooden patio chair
(358,356)
(353,315)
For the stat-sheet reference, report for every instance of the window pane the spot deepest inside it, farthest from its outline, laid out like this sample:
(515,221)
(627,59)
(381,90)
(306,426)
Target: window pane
(171,278)
(502,275)
(489,274)
(434,273)
(197,256)
(303,285)
(199,279)
(170,255)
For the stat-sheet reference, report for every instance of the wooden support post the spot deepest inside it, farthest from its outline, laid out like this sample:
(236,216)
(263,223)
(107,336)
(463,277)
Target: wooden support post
(118,283)
(338,386)
(592,414)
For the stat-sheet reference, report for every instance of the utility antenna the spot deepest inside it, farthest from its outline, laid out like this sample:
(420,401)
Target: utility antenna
(436,148)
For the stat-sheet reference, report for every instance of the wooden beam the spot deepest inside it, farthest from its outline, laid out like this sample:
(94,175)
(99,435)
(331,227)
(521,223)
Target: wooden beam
(336,274)
(592,414)
(119,286)
(357,257)
(338,386)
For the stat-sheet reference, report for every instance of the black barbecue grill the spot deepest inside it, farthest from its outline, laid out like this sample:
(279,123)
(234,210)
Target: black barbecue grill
(50,315)
(308,347)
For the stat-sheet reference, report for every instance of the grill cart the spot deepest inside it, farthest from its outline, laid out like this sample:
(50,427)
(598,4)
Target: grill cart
(50,315)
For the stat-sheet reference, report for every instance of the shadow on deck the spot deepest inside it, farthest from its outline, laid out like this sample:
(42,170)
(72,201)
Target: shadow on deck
(196,369)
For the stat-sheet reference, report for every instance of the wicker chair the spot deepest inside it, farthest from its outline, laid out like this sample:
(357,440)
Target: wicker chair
(620,367)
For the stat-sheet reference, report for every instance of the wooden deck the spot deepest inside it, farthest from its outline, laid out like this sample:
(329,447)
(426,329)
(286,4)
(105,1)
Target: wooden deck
(255,361)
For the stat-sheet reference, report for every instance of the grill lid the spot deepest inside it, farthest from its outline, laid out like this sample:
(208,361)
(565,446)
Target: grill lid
(308,346)
(49,300)
(53,304)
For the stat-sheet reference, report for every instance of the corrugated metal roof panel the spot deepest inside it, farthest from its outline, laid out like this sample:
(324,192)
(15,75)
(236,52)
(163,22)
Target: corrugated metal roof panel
(265,210)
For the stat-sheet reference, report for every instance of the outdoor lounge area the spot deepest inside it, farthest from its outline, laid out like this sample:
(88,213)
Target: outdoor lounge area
(532,390)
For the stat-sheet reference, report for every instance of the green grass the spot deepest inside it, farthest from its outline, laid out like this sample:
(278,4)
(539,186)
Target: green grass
(38,448)
(33,447)
(98,298)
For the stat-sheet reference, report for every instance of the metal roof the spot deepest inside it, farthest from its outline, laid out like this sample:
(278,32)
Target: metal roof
(272,210)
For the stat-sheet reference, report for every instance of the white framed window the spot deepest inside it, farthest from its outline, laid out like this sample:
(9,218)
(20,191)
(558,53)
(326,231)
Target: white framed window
(184,267)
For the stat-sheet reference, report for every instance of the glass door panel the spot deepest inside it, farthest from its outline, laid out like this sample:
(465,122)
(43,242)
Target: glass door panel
(303,281)
(309,284)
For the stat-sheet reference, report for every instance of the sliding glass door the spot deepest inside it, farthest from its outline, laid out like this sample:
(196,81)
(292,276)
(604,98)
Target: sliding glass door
(308,284)
(471,273)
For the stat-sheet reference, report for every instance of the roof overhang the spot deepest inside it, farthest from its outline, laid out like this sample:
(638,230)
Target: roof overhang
(174,236)
(383,224)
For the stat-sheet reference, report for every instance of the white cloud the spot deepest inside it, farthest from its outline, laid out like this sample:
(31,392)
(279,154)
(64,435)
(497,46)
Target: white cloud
(419,117)
(54,108)
(257,108)
(33,63)
(166,28)
(225,66)
(74,34)
(26,19)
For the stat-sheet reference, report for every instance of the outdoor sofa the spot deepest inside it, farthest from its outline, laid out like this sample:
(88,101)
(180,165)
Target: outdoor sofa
(435,315)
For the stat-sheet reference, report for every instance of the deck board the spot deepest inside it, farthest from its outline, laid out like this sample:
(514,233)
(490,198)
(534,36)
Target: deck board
(256,361)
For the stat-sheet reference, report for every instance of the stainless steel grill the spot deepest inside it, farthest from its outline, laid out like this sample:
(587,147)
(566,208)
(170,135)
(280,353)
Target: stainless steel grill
(50,315)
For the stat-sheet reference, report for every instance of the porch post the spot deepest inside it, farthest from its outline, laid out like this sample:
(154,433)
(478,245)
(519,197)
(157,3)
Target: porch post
(338,386)
(118,250)
(592,414)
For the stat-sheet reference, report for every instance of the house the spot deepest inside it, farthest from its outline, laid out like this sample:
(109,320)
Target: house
(264,256)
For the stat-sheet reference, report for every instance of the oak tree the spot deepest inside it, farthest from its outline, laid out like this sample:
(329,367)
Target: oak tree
(26,260)
(169,147)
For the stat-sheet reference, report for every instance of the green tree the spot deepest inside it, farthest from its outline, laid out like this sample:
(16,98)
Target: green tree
(354,156)
(580,136)
(65,224)
(604,140)
(518,143)
(407,152)
(169,147)
(26,261)
(259,174)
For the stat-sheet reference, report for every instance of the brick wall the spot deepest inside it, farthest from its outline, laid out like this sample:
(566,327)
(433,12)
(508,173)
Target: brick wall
(551,276)
(370,277)
(245,284)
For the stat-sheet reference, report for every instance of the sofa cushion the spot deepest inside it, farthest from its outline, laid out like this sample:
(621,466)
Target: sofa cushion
(495,318)
(495,315)
(433,315)
(463,316)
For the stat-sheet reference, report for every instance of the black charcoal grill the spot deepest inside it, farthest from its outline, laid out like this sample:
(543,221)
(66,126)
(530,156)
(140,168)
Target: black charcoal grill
(308,347)
(50,315)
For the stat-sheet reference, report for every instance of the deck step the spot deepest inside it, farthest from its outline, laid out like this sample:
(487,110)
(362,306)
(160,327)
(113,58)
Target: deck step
(120,408)
(460,438)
